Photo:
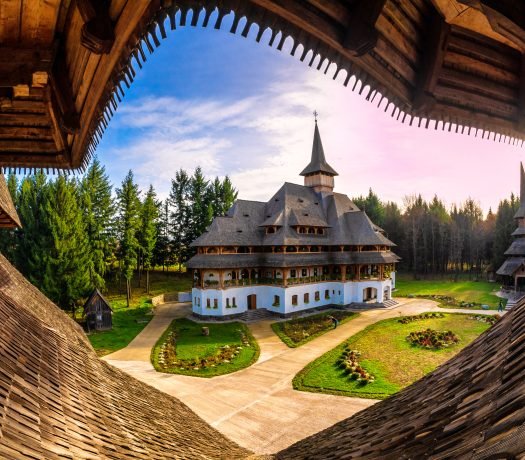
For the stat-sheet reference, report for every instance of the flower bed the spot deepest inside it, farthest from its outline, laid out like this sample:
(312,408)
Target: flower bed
(431,339)
(295,332)
(350,364)
(447,301)
(168,355)
(185,349)
(422,316)
(490,319)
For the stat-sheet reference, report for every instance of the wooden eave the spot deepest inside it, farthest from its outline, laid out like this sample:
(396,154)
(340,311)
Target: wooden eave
(61,88)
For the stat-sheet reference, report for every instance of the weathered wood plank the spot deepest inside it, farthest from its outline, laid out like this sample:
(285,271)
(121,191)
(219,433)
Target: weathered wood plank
(392,34)
(461,44)
(452,77)
(28,146)
(337,11)
(10,21)
(477,102)
(24,120)
(396,59)
(87,79)
(404,24)
(25,106)
(25,132)
(482,69)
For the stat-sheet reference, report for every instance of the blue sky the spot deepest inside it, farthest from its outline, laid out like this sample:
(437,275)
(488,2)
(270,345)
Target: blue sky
(232,106)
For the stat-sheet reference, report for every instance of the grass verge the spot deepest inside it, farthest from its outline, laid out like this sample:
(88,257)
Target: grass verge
(386,354)
(182,349)
(463,292)
(297,332)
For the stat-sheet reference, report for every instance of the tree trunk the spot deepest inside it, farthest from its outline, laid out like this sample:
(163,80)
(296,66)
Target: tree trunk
(128,291)
(147,281)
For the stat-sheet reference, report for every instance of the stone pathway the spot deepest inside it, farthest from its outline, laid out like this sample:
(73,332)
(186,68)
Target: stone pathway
(257,407)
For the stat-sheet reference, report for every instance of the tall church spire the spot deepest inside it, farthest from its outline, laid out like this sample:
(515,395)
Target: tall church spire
(520,213)
(319,174)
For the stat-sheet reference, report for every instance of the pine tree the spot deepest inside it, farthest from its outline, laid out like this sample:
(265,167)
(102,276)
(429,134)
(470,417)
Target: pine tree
(161,253)
(128,204)
(229,195)
(31,251)
(198,198)
(148,231)
(373,207)
(9,237)
(180,216)
(98,210)
(66,275)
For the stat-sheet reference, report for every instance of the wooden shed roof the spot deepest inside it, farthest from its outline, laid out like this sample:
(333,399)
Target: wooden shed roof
(59,400)
(94,295)
(64,65)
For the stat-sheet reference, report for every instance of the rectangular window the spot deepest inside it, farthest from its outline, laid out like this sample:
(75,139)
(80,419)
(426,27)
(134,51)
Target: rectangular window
(317,295)
(294,300)
(307,298)
(208,303)
(327,294)
(304,272)
(228,302)
(234,305)
(293,273)
(276,301)
(215,303)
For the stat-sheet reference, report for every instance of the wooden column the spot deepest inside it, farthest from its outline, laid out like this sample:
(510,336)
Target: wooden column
(221,279)
(343,273)
(285,277)
(359,273)
(381,272)
(201,276)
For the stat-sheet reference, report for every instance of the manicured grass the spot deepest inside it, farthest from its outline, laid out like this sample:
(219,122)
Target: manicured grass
(387,355)
(129,322)
(192,353)
(296,332)
(481,292)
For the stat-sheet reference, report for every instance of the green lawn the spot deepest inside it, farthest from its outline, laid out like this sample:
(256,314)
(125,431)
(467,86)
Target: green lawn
(183,349)
(128,322)
(479,292)
(387,355)
(296,332)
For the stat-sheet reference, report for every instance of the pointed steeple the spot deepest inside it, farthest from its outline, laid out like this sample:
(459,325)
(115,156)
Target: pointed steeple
(520,213)
(318,162)
(319,175)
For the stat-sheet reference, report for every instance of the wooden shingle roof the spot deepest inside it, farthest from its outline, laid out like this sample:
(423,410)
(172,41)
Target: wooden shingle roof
(58,400)
(471,407)
(8,215)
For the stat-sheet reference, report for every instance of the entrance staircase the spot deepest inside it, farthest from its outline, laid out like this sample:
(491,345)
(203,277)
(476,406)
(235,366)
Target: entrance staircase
(390,303)
(256,315)
(514,300)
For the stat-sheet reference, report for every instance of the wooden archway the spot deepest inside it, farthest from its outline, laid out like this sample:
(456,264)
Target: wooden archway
(64,66)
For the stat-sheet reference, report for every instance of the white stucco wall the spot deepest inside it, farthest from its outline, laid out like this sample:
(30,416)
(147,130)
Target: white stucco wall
(339,294)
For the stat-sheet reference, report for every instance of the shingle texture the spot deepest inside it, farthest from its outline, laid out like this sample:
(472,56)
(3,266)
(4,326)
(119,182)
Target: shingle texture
(471,407)
(59,401)
(8,215)
(293,205)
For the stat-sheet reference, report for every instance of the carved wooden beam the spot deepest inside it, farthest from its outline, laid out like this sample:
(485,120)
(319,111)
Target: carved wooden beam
(61,98)
(361,36)
(521,96)
(438,32)
(97,33)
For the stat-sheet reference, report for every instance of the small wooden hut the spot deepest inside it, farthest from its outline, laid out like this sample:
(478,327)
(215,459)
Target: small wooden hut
(98,312)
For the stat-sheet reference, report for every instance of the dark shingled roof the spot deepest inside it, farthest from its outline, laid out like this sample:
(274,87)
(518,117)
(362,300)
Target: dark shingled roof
(510,266)
(471,407)
(517,248)
(318,162)
(96,293)
(293,205)
(8,215)
(300,259)
(59,400)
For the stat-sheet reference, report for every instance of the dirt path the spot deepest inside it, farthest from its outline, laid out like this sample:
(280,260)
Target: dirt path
(257,407)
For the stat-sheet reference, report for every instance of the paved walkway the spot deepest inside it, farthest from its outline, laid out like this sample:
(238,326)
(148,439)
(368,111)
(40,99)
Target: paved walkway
(257,407)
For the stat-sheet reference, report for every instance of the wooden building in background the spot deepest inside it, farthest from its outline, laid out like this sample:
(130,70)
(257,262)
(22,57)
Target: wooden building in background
(98,313)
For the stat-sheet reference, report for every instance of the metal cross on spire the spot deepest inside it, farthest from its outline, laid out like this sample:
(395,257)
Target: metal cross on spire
(316,114)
